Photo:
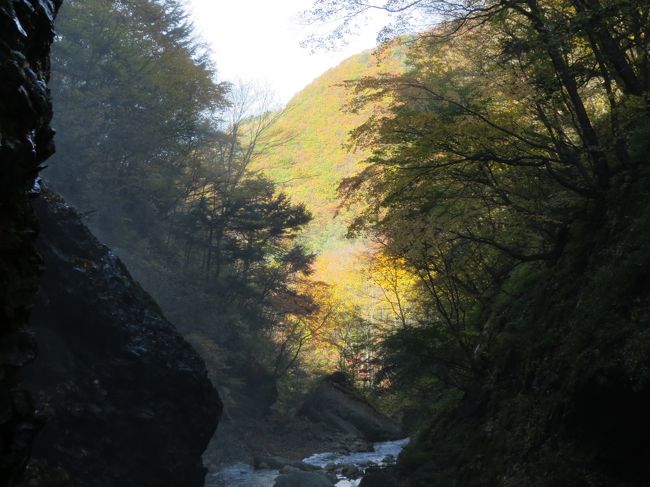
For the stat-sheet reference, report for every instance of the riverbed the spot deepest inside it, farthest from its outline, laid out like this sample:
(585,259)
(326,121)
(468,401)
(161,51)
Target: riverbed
(244,475)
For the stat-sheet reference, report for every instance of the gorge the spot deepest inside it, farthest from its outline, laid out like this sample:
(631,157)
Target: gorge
(445,238)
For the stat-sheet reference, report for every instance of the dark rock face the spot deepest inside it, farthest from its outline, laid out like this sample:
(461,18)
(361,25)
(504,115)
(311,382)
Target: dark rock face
(337,405)
(25,142)
(127,400)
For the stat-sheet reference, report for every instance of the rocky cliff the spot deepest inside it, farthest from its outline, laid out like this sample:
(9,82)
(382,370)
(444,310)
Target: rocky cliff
(127,399)
(25,142)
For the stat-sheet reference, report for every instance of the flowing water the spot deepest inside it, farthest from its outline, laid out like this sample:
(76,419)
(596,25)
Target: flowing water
(243,475)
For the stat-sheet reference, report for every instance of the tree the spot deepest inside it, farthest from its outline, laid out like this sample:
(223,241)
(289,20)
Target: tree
(137,98)
(512,121)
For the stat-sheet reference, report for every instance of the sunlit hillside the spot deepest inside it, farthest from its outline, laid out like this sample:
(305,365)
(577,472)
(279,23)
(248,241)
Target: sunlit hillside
(312,164)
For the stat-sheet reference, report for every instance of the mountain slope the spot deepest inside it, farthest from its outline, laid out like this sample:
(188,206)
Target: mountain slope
(311,166)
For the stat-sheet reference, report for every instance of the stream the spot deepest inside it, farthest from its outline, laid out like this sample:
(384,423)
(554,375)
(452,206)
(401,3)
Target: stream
(244,475)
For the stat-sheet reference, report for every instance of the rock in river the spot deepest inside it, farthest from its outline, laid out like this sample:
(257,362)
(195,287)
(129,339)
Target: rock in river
(303,479)
(337,405)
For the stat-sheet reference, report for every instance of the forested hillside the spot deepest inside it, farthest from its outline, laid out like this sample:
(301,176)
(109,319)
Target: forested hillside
(315,156)
(355,285)
(509,177)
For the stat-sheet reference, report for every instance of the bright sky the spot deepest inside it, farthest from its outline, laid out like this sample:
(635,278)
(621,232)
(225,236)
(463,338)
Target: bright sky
(258,41)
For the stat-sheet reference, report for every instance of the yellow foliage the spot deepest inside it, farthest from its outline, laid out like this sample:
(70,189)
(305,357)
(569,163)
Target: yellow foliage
(353,282)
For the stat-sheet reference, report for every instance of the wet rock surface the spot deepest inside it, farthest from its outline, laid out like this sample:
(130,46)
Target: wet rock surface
(337,405)
(303,479)
(25,142)
(388,477)
(127,399)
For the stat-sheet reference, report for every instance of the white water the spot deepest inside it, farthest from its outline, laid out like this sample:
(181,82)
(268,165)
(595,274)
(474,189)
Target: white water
(243,475)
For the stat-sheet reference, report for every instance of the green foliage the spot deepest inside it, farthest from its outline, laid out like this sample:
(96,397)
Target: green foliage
(507,173)
(135,97)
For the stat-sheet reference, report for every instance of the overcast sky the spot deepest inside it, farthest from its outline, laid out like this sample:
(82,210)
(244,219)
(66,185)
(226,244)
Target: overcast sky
(258,41)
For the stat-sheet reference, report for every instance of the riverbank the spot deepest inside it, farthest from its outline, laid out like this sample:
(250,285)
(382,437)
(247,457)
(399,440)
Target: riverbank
(247,439)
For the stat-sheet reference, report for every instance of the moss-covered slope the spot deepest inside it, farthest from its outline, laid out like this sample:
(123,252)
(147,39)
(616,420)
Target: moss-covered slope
(565,396)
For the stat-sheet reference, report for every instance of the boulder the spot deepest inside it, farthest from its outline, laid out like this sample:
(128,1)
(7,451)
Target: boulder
(350,471)
(128,401)
(303,479)
(387,477)
(338,406)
